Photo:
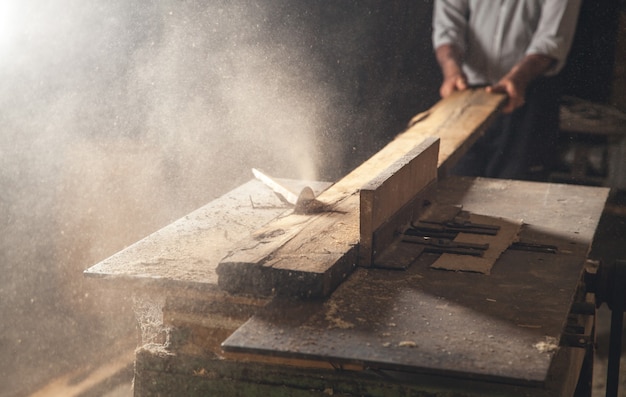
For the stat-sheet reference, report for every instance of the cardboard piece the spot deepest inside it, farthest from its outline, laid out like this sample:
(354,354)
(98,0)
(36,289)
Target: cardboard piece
(507,235)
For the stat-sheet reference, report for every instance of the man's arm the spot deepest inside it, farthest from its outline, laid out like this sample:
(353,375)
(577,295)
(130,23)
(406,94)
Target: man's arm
(515,82)
(450,60)
(555,31)
(449,28)
(545,55)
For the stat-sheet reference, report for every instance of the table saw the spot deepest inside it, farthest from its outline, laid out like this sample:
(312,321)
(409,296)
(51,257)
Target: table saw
(259,299)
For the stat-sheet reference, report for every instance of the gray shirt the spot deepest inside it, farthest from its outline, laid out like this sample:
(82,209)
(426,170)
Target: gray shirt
(494,35)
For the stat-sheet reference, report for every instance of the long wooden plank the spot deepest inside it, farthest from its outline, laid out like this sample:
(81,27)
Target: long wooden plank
(391,190)
(310,255)
(459,121)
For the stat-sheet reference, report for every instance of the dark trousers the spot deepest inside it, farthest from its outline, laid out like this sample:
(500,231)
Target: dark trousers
(520,145)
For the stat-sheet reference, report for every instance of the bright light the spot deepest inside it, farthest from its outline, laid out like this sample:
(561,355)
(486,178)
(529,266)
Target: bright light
(8,23)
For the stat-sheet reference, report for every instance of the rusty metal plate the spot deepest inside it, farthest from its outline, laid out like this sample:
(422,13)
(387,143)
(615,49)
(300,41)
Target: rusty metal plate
(502,327)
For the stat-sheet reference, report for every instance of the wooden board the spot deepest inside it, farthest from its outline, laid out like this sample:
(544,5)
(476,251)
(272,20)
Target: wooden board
(391,190)
(185,253)
(310,255)
(502,327)
(458,121)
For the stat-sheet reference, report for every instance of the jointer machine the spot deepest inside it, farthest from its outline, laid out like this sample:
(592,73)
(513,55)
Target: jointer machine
(397,280)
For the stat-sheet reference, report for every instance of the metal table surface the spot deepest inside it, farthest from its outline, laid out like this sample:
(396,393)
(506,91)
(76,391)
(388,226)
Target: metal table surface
(503,327)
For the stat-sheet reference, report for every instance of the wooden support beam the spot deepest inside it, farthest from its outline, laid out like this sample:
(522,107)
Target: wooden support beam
(309,255)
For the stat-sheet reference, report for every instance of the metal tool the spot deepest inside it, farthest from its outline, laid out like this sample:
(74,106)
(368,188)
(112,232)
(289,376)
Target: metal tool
(534,247)
(284,194)
(438,237)
(303,203)
(443,245)
(457,225)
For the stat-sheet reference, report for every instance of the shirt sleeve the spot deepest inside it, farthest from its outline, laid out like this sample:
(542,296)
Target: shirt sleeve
(450,18)
(555,32)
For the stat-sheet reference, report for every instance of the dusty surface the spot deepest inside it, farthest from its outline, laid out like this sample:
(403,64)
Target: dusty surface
(120,117)
(111,130)
(502,326)
(188,251)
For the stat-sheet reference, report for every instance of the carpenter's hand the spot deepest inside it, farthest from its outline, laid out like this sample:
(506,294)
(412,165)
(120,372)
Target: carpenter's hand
(514,89)
(523,73)
(455,82)
(449,57)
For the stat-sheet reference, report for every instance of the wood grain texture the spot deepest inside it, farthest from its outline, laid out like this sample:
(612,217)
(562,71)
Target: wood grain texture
(310,255)
(391,190)
(186,252)
(458,121)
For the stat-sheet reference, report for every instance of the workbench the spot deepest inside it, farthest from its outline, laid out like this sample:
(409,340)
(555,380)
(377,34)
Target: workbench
(382,332)
(524,329)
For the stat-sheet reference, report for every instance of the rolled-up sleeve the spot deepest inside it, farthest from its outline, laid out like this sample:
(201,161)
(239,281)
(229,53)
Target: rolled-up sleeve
(450,18)
(555,32)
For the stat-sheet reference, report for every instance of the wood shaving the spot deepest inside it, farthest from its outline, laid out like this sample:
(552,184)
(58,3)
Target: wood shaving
(550,345)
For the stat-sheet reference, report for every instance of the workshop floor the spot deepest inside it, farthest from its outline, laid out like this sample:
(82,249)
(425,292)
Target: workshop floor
(610,244)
